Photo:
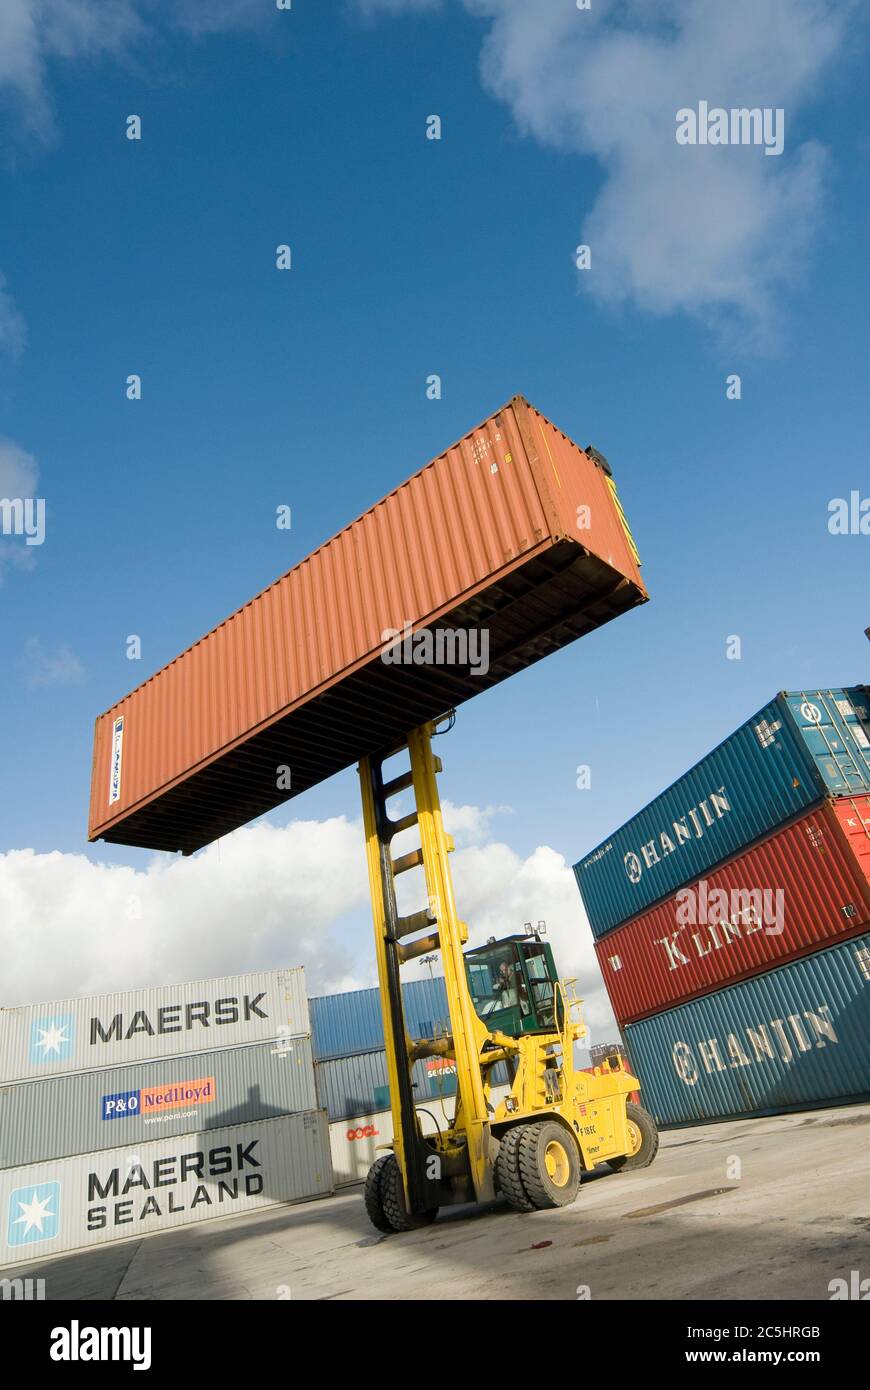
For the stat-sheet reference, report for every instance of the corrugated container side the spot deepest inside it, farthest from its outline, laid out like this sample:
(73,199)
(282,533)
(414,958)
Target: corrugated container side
(791,755)
(344,1024)
(486,535)
(800,889)
(349,1086)
(358,1085)
(104,1030)
(851,812)
(90,1200)
(89,1111)
(355,1144)
(790,1039)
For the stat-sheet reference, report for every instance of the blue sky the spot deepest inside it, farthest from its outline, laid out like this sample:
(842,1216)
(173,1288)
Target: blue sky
(412,257)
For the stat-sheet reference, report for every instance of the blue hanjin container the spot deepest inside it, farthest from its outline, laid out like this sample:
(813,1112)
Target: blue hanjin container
(802,747)
(794,1038)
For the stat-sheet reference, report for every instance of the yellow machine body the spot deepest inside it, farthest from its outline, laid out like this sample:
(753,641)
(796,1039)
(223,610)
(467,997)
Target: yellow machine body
(459,1163)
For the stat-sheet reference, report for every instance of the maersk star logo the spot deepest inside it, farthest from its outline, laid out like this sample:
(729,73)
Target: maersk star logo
(51,1039)
(34,1213)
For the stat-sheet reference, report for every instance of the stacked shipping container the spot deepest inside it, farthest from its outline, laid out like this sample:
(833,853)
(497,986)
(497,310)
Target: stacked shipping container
(171,1133)
(756,863)
(351,1071)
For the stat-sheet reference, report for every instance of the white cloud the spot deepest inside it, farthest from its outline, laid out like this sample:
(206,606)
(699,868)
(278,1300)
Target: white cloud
(19,478)
(219,16)
(19,471)
(34,33)
(60,667)
(12,329)
(395,7)
(263,897)
(704,230)
(714,232)
(471,824)
(498,892)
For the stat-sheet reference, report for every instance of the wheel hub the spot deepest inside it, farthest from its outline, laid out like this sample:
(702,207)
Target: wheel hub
(557,1163)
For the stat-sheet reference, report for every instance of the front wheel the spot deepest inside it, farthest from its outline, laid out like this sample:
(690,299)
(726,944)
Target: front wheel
(643,1136)
(549,1164)
(372,1196)
(391,1194)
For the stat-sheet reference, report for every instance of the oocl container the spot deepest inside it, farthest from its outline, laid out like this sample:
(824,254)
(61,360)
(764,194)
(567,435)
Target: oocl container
(790,1039)
(799,889)
(801,748)
(514,537)
(88,1111)
(74,1203)
(355,1144)
(103,1030)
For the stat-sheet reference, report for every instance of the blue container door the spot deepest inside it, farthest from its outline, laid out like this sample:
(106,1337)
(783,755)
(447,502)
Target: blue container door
(797,1036)
(835,725)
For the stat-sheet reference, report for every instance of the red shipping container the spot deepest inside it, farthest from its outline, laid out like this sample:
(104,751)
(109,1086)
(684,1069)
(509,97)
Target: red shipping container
(514,534)
(805,887)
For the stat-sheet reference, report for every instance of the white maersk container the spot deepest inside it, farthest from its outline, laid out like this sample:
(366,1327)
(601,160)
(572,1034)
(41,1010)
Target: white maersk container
(110,1030)
(50,1208)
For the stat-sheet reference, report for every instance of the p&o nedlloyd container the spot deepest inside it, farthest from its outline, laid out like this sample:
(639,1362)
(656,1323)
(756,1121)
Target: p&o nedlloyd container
(92,1110)
(794,753)
(789,1039)
(104,1030)
(800,889)
(92,1199)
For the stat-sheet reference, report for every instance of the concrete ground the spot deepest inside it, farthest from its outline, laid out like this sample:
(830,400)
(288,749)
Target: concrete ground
(752,1209)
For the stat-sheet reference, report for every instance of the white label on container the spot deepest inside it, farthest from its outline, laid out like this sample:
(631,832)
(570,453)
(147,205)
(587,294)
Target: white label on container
(115,765)
(844,707)
(766,733)
(859,736)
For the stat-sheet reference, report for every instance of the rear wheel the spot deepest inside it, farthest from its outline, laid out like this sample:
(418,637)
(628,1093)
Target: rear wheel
(643,1136)
(507,1171)
(549,1164)
(372,1196)
(392,1197)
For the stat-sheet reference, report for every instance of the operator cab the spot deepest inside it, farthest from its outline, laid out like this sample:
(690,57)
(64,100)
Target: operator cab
(513,985)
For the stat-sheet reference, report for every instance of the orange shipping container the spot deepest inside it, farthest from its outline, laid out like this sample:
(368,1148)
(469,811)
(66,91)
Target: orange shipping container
(514,537)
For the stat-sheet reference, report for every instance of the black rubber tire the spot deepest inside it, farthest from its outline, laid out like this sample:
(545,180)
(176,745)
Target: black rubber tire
(392,1196)
(544,1191)
(649,1145)
(372,1196)
(507,1171)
